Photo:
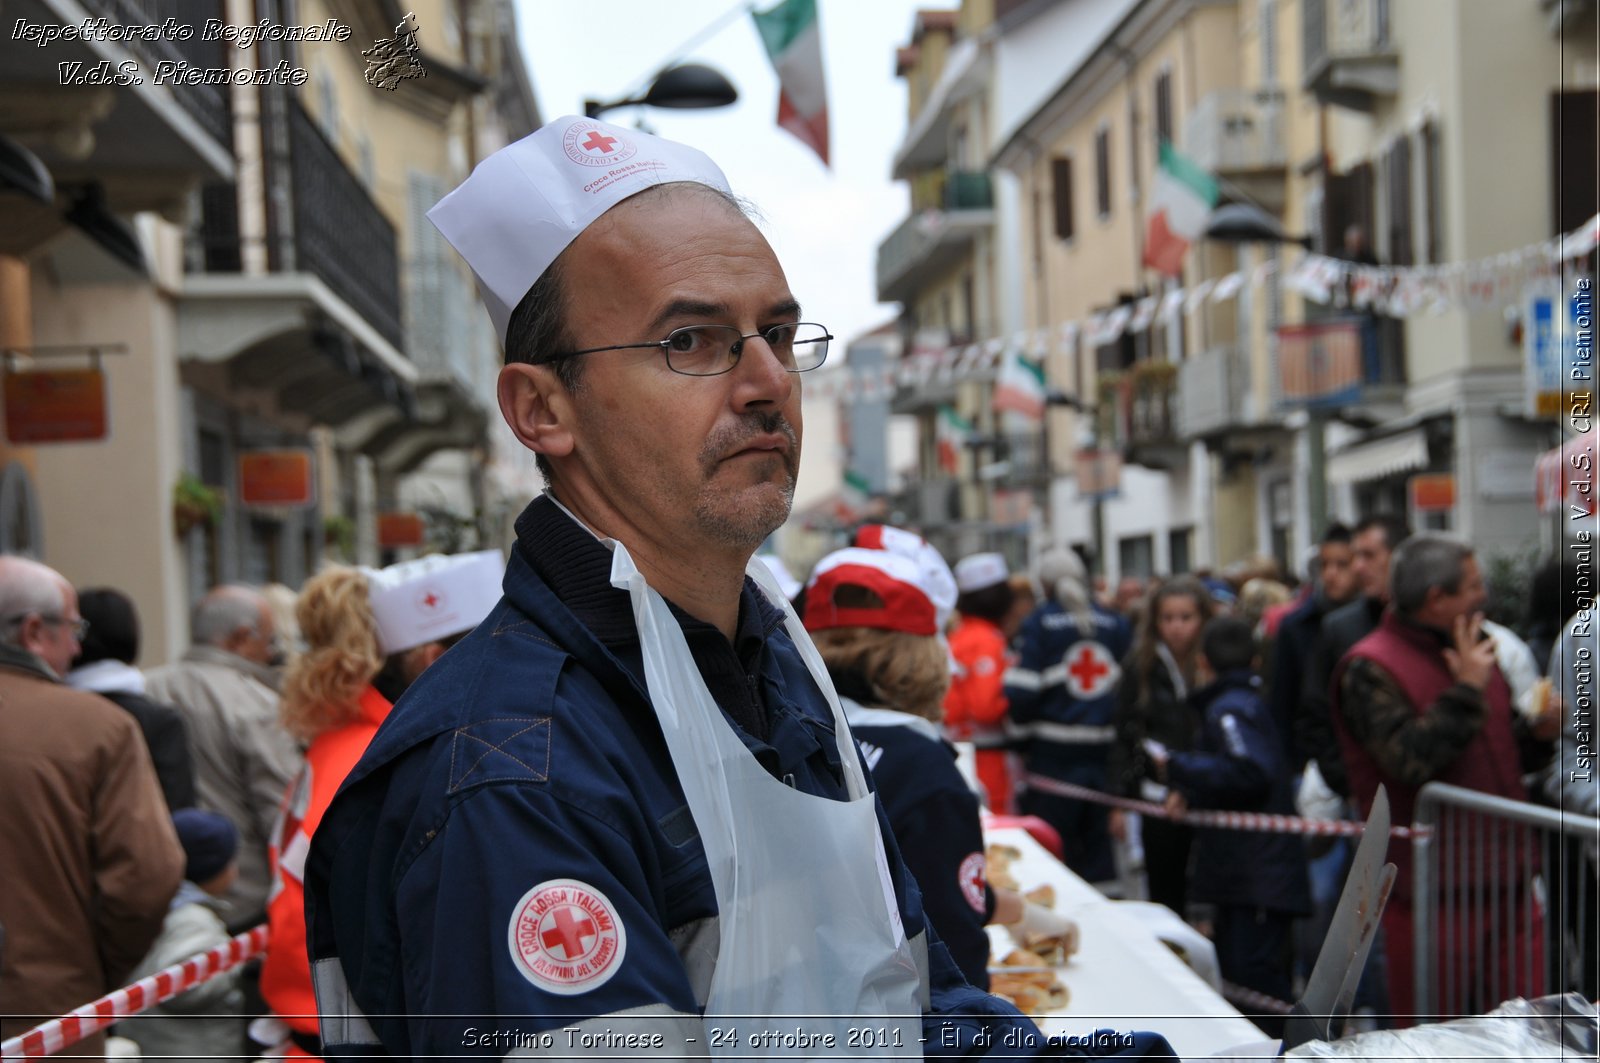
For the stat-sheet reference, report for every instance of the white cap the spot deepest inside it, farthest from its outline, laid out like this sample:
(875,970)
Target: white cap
(977,571)
(524,204)
(433,597)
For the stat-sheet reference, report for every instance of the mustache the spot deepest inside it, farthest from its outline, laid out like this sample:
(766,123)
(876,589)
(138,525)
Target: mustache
(733,437)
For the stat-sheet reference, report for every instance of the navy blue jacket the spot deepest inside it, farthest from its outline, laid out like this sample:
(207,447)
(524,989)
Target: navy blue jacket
(1063,690)
(935,818)
(526,772)
(1239,764)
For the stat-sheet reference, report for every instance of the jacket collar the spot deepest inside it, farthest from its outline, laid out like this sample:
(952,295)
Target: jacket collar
(23,661)
(203,654)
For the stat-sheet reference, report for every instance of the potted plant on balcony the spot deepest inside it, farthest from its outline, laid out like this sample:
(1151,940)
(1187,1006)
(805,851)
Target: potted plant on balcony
(194,503)
(339,535)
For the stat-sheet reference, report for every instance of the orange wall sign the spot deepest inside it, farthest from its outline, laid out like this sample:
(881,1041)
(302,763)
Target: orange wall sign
(1433,492)
(275,478)
(399,529)
(55,405)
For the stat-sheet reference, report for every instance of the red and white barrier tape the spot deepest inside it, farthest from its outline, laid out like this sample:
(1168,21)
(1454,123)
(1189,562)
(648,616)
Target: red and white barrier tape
(1265,822)
(97,1015)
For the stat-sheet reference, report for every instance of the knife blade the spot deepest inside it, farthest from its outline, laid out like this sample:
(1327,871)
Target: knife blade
(1355,922)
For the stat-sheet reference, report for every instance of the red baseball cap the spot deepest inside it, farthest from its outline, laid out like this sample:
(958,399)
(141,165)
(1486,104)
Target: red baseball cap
(893,578)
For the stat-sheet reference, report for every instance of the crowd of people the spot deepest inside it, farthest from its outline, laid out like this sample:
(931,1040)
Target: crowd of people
(646,798)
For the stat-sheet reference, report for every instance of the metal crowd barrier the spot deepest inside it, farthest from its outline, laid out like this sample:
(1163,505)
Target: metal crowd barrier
(1517,881)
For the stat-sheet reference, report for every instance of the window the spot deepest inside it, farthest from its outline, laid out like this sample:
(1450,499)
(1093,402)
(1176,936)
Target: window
(1573,120)
(1178,550)
(1102,171)
(1061,183)
(1136,556)
(1397,192)
(1164,107)
(1269,42)
(1431,213)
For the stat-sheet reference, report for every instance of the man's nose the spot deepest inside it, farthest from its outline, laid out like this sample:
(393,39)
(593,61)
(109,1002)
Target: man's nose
(760,377)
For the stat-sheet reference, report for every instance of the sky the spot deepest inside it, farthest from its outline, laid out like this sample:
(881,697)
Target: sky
(825,224)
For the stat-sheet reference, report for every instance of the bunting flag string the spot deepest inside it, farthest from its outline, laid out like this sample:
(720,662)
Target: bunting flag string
(1392,291)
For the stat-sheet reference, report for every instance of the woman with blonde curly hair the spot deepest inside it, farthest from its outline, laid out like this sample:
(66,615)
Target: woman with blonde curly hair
(329,702)
(873,621)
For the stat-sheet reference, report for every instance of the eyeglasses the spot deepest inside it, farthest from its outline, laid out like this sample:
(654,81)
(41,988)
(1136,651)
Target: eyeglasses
(710,350)
(78,627)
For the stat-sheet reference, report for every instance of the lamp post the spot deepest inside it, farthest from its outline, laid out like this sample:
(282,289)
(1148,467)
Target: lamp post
(686,86)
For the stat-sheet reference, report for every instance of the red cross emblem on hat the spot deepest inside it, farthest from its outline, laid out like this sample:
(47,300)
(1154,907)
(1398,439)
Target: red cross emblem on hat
(591,144)
(566,938)
(1091,670)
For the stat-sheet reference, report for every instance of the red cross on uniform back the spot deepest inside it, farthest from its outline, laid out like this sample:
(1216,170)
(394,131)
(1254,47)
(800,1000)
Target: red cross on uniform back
(1090,670)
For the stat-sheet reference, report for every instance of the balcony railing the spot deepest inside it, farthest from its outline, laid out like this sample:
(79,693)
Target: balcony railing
(333,228)
(1136,408)
(1214,392)
(1347,54)
(206,104)
(932,502)
(966,200)
(1237,131)
(1341,361)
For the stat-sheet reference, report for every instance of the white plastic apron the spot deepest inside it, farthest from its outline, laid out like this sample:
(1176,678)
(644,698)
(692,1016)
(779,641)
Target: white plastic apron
(812,945)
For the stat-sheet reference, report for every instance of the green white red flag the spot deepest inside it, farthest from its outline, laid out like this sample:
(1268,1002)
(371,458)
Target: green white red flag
(854,494)
(1179,206)
(950,434)
(793,40)
(1020,386)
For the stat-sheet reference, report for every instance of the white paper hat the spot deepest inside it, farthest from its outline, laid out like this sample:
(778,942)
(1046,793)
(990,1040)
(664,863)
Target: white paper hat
(525,203)
(433,597)
(977,571)
(780,572)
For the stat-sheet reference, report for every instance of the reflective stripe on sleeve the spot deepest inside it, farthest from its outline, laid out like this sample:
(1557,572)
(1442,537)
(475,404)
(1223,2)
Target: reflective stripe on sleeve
(1072,734)
(342,1022)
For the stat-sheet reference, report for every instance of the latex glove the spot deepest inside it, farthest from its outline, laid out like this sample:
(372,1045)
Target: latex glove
(1040,922)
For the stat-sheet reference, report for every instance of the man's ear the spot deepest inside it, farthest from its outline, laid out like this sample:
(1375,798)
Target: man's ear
(537,407)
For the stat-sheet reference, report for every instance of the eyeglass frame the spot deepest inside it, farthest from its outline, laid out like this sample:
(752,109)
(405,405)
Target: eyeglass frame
(666,351)
(79,627)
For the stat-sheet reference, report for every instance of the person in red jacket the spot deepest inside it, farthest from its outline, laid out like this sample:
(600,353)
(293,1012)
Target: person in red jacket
(975,707)
(368,635)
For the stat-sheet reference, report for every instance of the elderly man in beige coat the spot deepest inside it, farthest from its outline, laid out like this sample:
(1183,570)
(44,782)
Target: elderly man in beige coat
(90,856)
(226,688)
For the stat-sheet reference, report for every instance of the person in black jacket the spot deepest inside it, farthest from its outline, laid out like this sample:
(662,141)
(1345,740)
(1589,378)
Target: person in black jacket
(1256,880)
(105,667)
(1151,704)
(1301,632)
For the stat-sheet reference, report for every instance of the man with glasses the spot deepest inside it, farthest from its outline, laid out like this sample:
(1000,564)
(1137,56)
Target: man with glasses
(90,857)
(226,687)
(622,810)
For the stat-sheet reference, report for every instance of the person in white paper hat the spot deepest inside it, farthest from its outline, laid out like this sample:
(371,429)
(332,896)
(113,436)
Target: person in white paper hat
(546,828)
(369,633)
(975,708)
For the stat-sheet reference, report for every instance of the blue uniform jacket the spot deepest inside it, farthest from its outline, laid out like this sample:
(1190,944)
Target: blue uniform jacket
(935,818)
(1063,691)
(1239,764)
(525,772)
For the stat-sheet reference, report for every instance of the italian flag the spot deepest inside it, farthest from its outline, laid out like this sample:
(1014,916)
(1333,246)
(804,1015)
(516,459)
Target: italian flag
(794,44)
(1183,198)
(950,433)
(1020,387)
(854,494)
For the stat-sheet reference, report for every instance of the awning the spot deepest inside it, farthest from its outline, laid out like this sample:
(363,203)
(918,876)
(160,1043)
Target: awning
(1378,458)
(1565,475)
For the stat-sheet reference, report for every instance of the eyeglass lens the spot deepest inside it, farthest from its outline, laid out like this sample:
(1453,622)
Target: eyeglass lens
(706,350)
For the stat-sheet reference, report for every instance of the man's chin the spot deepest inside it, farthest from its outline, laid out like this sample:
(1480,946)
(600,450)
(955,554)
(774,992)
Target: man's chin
(746,517)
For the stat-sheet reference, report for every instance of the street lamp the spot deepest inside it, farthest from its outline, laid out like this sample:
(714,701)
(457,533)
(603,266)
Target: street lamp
(685,86)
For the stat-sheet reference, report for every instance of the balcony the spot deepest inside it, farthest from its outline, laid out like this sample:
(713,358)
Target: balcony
(931,241)
(1348,58)
(1352,361)
(1239,134)
(307,309)
(931,503)
(1136,414)
(133,147)
(1217,399)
